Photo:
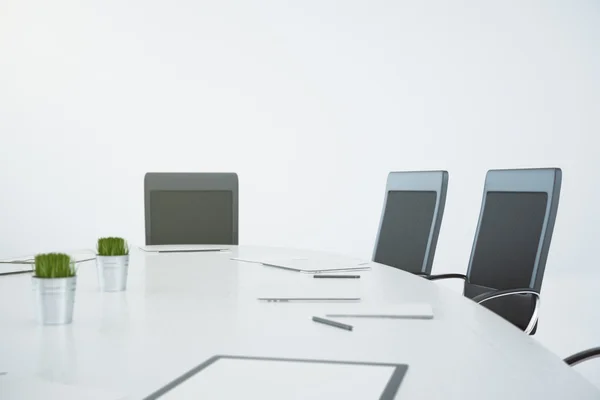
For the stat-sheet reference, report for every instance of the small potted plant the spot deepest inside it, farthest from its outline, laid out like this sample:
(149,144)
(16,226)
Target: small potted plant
(54,286)
(112,262)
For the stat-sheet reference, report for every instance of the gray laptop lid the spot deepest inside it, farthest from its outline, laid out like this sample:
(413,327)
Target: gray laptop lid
(191,208)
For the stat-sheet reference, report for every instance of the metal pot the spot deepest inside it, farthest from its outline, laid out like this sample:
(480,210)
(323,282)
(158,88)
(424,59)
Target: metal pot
(112,272)
(54,299)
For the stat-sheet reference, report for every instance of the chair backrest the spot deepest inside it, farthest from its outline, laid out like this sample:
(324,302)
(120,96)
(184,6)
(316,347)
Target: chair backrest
(411,218)
(513,237)
(191,208)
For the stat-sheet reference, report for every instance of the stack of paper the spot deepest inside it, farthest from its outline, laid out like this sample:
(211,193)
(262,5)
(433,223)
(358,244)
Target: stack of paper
(25,263)
(311,265)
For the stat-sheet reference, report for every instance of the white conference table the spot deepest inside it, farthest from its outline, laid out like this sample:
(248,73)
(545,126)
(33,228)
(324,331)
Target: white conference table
(181,309)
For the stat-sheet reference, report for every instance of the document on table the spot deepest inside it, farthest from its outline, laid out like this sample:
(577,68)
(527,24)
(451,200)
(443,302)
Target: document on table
(30,388)
(274,379)
(311,265)
(80,256)
(15,266)
(182,248)
(393,311)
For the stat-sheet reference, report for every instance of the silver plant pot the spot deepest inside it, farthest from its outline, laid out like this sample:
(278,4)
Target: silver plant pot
(112,272)
(54,299)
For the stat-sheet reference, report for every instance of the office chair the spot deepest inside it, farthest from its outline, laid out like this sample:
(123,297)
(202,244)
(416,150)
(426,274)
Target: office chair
(410,221)
(583,356)
(511,244)
(191,208)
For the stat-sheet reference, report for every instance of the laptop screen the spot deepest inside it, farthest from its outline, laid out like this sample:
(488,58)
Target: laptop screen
(405,229)
(191,217)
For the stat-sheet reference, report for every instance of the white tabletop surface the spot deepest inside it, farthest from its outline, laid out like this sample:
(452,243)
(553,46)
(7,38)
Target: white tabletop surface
(181,309)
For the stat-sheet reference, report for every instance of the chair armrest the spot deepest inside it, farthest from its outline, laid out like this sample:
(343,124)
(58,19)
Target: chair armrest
(583,356)
(447,276)
(510,292)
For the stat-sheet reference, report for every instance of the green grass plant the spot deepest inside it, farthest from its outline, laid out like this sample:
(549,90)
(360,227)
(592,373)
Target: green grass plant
(112,246)
(54,265)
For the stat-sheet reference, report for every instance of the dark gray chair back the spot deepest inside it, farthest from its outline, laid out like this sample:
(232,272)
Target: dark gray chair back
(411,218)
(513,238)
(191,208)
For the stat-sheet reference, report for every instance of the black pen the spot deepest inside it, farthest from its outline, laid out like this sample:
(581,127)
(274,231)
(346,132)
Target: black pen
(337,276)
(332,323)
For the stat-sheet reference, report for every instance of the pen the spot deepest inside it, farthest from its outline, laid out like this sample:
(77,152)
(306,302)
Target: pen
(337,276)
(332,323)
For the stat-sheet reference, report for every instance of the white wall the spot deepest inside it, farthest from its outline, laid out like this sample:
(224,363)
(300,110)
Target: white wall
(312,104)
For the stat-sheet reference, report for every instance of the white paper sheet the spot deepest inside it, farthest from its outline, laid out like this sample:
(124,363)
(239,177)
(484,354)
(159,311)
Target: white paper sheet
(9,268)
(308,289)
(182,248)
(80,256)
(397,311)
(276,380)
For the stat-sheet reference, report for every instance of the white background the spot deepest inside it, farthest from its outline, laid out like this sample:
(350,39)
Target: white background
(312,103)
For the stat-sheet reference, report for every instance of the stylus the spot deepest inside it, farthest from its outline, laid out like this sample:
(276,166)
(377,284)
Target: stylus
(332,323)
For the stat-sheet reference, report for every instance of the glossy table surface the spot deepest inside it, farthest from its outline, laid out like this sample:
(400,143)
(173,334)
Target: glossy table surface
(182,308)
